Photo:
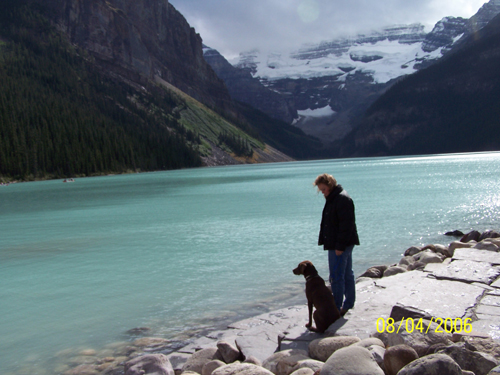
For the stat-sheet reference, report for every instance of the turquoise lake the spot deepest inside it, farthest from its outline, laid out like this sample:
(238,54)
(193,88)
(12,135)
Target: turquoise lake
(180,251)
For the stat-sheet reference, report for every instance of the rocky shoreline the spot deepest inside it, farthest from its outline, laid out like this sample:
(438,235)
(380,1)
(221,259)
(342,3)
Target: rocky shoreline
(437,311)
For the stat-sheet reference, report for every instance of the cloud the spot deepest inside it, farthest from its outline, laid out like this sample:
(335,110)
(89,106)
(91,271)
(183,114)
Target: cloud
(234,26)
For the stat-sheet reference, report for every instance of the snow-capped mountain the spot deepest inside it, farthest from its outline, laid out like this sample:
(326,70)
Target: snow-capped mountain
(331,83)
(387,54)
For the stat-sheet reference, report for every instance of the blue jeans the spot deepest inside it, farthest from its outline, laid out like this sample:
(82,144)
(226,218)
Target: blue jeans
(342,278)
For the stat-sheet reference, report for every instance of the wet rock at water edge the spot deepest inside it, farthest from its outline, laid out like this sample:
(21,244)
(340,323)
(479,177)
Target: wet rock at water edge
(138,331)
(455,233)
(157,364)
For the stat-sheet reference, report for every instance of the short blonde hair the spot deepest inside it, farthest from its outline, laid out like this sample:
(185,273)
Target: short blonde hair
(326,179)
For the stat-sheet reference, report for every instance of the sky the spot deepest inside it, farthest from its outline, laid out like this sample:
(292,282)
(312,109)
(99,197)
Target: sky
(234,26)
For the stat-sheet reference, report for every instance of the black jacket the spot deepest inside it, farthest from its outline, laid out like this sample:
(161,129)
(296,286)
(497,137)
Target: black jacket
(338,223)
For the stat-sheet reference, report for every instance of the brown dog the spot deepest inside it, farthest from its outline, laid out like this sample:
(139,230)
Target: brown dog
(319,296)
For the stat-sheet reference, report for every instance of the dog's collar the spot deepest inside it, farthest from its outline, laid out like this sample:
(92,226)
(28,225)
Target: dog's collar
(311,277)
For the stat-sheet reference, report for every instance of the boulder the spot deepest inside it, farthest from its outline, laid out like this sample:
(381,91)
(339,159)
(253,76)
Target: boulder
(455,233)
(412,251)
(420,341)
(378,353)
(406,261)
(459,245)
(241,369)
(495,371)
(416,266)
(374,272)
(486,245)
(400,312)
(211,366)
(477,362)
(303,371)
(228,352)
(471,236)
(198,359)
(488,234)
(427,257)
(282,362)
(157,364)
(443,250)
(434,364)
(398,356)
(394,270)
(310,364)
(482,344)
(322,349)
(351,360)
(370,341)
(251,359)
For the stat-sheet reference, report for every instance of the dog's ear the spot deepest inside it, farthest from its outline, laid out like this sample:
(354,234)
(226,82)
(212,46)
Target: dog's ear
(309,268)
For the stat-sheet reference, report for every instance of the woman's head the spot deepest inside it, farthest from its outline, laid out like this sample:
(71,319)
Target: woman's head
(325,183)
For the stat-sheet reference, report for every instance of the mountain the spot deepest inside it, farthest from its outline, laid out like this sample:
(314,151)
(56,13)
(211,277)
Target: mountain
(331,84)
(247,89)
(451,106)
(92,87)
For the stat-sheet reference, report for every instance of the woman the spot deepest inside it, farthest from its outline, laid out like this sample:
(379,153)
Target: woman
(338,235)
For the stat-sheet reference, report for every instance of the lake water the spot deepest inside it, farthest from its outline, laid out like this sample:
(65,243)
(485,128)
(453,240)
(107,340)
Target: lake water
(83,262)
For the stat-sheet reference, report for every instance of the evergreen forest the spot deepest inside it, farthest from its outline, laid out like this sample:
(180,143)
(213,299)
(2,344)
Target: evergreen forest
(62,117)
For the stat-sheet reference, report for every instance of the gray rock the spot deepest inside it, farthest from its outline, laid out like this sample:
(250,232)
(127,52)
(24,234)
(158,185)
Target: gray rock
(351,360)
(419,341)
(373,272)
(486,245)
(489,234)
(370,341)
(406,261)
(253,360)
(495,371)
(199,359)
(310,364)
(228,352)
(416,266)
(428,256)
(157,364)
(477,362)
(460,245)
(394,270)
(303,371)
(400,312)
(482,344)
(211,366)
(398,356)
(412,251)
(284,361)
(378,353)
(241,369)
(434,364)
(322,349)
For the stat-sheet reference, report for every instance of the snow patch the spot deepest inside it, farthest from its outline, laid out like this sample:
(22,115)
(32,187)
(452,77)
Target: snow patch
(318,112)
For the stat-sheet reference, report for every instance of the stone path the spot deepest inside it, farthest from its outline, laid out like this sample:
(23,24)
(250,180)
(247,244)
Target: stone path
(466,285)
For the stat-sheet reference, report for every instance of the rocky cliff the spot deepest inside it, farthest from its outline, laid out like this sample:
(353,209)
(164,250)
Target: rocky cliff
(247,89)
(142,39)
